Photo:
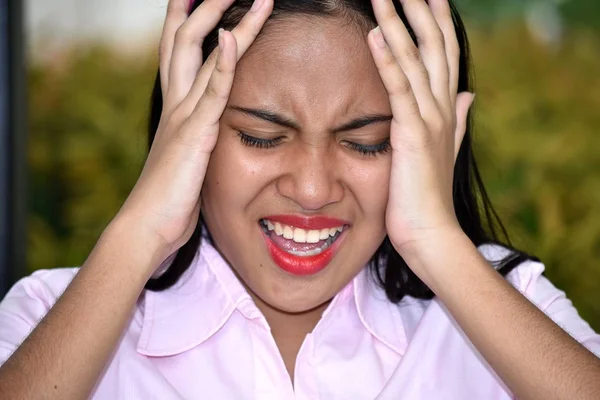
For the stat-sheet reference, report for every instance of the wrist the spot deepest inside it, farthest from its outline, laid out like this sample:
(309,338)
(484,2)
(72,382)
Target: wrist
(143,250)
(427,255)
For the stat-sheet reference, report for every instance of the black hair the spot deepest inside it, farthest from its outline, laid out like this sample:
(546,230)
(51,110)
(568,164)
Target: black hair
(473,208)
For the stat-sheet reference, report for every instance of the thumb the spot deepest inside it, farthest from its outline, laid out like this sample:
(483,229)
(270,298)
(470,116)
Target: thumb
(464,101)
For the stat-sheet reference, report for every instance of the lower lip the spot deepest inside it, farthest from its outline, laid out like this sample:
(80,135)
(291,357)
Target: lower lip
(302,266)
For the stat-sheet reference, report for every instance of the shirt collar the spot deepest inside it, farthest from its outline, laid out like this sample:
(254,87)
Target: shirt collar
(381,317)
(195,308)
(200,303)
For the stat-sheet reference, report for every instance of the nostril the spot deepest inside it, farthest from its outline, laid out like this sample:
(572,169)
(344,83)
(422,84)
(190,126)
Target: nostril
(309,181)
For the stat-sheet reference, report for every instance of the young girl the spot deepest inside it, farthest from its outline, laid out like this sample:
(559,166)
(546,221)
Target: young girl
(306,226)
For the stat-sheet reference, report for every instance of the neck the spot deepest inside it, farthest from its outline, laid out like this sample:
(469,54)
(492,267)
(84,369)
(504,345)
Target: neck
(282,322)
(290,329)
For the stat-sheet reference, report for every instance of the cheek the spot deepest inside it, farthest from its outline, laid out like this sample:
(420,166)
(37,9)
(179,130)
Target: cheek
(235,175)
(369,182)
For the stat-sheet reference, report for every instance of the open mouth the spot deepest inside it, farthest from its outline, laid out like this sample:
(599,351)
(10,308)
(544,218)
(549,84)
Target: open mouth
(302,251)
(300,242)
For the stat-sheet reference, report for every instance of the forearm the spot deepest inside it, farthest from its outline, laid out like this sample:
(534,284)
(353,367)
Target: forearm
(532,355)
(65,354)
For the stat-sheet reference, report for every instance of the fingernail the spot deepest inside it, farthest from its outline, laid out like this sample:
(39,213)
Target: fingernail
(379,37)
(221,41)
(256,5)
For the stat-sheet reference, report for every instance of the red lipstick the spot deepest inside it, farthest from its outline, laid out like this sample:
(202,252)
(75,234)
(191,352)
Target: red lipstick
(304,265)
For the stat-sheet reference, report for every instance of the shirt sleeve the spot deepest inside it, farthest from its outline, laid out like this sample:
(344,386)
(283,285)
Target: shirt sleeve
(555,304)
(528,279)
(26,303)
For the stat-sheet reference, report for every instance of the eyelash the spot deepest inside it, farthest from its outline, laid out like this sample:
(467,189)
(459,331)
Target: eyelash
(381,148)
(374,150)
(251,141)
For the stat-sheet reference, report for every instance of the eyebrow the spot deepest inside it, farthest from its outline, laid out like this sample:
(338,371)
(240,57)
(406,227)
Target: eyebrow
(275,118)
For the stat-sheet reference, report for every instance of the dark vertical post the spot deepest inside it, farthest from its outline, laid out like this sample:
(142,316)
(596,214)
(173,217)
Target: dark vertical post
(13,172)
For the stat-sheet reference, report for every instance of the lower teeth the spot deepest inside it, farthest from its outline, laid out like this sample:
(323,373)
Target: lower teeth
(308,253)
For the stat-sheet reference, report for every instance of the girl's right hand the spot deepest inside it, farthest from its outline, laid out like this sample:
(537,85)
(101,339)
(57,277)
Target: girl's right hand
(165,202)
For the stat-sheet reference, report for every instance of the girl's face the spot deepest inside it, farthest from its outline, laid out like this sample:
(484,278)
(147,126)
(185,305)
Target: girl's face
(310,102)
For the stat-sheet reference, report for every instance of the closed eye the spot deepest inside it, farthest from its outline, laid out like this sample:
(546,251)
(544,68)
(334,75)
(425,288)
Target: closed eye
(366,150)
(372,150)
(252,141)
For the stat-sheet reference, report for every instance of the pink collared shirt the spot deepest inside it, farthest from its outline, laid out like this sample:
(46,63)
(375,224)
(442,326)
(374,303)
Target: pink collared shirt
(205,339)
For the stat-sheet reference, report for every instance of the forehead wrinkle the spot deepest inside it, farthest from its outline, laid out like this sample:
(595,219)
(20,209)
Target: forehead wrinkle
(307,69)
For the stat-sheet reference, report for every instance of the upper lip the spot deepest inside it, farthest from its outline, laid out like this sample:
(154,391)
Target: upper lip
(308,223)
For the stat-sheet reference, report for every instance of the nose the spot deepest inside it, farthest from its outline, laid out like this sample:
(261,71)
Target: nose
(311,179)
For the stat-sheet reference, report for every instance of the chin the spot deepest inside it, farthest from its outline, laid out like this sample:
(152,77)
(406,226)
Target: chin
(293,297)
(297,306)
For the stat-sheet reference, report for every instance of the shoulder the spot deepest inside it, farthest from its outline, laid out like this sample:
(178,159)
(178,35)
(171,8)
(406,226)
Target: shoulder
(524,276)
(43,286)
(26,303)
(528,278)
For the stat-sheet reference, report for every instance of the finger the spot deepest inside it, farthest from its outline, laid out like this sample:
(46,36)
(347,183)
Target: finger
(187,51)
(464,101)
(431,46)
(209,110)
(407,55)
(443,15)
(405,109)
(245,34)
(176,16)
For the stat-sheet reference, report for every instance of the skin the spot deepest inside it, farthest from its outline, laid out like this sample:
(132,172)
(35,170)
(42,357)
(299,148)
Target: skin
(66,353)
(536,358)
(313,172)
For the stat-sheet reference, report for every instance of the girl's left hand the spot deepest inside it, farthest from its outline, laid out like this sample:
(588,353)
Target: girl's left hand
(429,119)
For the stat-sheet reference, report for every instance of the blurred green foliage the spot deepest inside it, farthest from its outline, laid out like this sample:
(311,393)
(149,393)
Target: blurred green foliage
(537,121)
(536,112)
(574,13)
(88,112)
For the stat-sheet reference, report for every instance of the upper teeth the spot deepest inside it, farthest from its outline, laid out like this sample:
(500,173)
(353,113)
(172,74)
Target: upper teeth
(299,235)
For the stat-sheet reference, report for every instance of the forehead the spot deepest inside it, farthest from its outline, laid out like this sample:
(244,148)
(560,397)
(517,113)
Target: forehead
(309,66)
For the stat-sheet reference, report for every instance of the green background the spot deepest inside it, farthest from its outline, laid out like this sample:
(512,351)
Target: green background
(537,120)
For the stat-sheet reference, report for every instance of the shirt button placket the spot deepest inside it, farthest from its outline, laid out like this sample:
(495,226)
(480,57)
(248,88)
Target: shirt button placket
(305,383)
(272,380)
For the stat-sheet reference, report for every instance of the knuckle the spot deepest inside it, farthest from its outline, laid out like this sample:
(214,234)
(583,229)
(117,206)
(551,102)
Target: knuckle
(412,53)
(183,34)
(211,59)
(187,132)
(224,70)
(246,31)
(178,115)
(437,38)
(219,69)
(436,122)
(181,137)
(401,87)
(413,140)
(424,74)
(215,91)
(413,109)
(211,91)
(389,60)
(422,141)
(390,15)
